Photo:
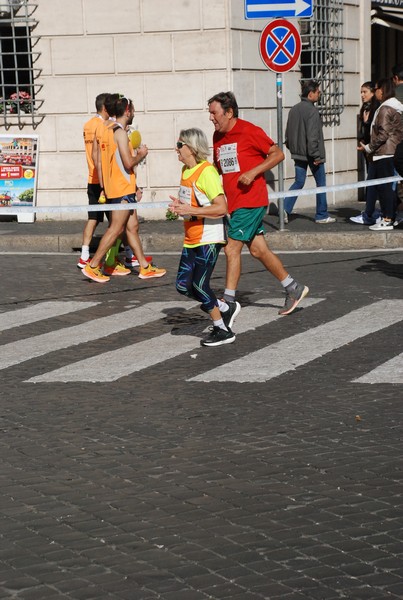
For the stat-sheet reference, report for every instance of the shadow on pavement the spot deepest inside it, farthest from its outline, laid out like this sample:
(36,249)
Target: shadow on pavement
(383,266)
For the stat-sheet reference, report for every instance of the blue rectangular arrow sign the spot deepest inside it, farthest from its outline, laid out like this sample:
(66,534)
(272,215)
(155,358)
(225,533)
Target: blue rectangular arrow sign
(270,9)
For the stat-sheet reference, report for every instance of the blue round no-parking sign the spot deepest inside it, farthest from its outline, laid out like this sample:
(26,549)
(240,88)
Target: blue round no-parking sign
(280,45)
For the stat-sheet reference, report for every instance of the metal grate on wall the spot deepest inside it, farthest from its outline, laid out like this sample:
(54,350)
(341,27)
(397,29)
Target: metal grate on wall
(322,56)
(19,102)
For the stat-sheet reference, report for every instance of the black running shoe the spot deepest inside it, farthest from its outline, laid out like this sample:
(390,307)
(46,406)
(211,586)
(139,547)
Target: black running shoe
(218,337)
(230,315)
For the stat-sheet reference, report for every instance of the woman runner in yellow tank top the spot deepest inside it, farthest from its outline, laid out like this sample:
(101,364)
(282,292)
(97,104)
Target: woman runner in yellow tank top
(202,204)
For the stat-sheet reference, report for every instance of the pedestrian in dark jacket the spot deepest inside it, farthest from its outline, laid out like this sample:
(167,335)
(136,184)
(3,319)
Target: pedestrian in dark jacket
(397,77)
(369,106)
(386,134)
(398,160)
(304,139)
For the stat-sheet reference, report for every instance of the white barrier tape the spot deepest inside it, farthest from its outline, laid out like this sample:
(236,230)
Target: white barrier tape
(14,210)
(334,188)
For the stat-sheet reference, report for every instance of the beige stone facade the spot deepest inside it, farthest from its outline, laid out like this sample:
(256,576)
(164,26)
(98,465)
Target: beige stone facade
(169,57)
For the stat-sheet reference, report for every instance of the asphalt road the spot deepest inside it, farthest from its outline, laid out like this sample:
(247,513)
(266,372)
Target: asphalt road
(137,465)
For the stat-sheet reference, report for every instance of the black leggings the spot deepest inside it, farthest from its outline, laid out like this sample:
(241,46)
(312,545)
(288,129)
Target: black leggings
(379,169)
(194,272)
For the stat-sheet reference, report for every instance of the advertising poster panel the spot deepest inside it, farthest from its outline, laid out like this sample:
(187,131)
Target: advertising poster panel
(18,173)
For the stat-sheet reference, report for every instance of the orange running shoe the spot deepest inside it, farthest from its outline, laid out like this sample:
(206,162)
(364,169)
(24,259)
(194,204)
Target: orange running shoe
(117,269)
(151,271)
(95,274)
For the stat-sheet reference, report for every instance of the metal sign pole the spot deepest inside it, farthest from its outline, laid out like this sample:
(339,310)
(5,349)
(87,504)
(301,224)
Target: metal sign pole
(280,49)
(279,94)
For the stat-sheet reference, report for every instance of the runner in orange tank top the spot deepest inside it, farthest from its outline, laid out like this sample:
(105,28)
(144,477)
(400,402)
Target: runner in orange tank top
(111,259)
(118,177)
(94,187)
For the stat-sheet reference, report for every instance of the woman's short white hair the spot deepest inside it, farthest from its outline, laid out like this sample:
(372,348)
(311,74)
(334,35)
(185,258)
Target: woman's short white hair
(196,140)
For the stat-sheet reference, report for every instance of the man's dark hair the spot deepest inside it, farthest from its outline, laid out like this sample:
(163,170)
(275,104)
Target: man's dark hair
(309,86)
(110,104)
(100,101)
(227,100)
(387,87)
(397,71)
(121,105)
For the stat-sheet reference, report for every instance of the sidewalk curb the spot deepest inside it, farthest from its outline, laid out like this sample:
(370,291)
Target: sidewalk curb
(160,242)
(287,240)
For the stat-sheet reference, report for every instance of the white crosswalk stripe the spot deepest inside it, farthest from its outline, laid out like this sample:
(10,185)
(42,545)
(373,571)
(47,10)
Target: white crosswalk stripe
(26,349)
(262,365)
(40,312)
(113,365)
(300,349)
(389,372)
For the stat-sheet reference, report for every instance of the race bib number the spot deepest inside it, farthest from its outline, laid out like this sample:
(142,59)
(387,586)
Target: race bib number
(185,194)
(228,158)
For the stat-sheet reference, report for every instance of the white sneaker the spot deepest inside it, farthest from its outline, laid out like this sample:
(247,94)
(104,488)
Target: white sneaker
(326,221)
(285,217)
(358,219)
(382,226)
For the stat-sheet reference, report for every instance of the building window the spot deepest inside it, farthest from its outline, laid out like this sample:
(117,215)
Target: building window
(19,103)
(322,56)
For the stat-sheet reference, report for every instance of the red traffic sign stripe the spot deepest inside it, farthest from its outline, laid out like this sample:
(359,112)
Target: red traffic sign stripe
(280,45)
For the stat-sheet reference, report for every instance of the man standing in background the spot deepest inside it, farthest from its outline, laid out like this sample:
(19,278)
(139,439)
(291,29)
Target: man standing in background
(304,139)
(397,76)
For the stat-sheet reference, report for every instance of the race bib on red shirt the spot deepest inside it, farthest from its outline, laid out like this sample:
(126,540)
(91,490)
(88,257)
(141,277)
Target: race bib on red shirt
(228,158)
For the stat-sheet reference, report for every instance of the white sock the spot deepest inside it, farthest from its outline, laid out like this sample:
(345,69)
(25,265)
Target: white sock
(223,306)
(220,323)
(229,295)
(287,281)
(85,252)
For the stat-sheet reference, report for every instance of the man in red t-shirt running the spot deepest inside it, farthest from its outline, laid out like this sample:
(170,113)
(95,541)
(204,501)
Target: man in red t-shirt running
(242,154)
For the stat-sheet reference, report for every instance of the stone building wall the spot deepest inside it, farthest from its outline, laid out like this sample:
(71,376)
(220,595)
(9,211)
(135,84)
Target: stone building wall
(169,57)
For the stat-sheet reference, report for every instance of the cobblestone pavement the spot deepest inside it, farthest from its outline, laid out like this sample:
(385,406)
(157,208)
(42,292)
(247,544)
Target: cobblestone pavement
(173,483)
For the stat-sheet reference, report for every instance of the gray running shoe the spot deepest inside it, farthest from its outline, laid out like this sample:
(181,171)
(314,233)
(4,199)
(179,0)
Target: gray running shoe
(230,315)
(218,337)
(292,299)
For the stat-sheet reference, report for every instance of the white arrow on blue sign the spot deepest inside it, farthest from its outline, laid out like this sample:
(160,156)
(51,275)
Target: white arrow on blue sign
(268,9)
